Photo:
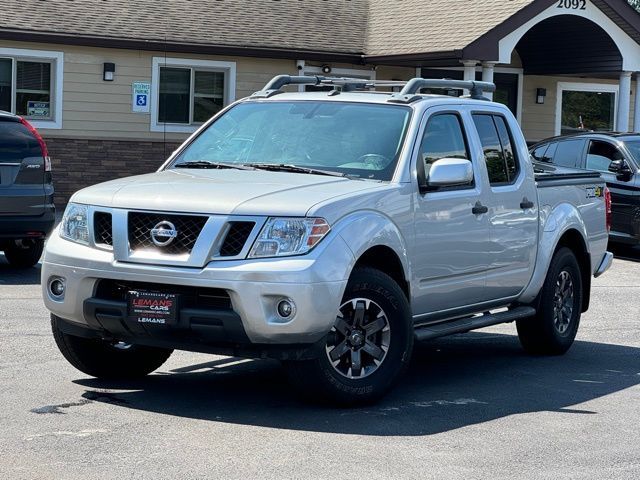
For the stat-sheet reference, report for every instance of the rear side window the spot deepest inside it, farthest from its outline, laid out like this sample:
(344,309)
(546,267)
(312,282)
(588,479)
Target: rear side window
(497,145)
(17,143)
(568,153)
(443,138)
(538,153)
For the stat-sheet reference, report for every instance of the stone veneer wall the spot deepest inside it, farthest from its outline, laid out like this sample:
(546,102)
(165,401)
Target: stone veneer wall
(78,163)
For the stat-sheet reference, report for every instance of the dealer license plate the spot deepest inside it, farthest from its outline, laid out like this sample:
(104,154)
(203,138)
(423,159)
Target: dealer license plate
(152,308)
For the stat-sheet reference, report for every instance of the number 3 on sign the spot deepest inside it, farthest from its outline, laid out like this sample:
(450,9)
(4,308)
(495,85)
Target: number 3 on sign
(573,4)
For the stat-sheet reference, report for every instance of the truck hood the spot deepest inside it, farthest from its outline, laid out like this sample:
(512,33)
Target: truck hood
(225,192)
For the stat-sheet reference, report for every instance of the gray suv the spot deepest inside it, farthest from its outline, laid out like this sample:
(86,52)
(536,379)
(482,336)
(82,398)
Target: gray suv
(27,213)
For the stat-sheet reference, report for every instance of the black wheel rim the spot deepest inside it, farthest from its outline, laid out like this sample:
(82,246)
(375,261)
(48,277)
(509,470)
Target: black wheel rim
(563,302)
(359,341)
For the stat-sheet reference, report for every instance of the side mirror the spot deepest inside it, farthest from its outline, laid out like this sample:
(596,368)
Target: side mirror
(449,172)
(621,169)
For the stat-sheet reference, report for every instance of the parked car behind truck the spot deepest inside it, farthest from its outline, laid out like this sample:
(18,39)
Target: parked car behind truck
(616,156)
(328,230)
(27,212)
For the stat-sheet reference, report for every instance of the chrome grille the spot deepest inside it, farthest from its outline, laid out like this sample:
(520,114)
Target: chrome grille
(236,238)
(188,227)
(103,228)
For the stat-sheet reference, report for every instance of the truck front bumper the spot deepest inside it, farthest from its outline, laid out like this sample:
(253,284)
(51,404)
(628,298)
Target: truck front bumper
(247,293)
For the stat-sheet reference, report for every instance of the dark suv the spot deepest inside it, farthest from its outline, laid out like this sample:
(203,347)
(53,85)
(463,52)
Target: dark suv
(617,157)
(27,213)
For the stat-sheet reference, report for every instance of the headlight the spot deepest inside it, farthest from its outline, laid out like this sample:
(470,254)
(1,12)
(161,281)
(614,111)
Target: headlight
(289,236)
(74,224)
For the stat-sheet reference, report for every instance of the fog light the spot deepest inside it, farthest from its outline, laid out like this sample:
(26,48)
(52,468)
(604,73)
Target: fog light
(57,287)
(286,308)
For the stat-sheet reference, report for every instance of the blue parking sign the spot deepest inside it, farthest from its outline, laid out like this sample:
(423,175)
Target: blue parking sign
(140,97)
(141,100)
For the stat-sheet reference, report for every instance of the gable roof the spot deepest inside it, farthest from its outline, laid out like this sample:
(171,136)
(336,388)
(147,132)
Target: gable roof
(352,31)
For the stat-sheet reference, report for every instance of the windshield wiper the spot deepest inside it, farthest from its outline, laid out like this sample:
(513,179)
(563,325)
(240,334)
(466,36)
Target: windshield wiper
(208,164)
(281,167)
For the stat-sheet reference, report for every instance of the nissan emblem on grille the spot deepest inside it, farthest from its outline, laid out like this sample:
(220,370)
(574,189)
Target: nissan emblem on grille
(163,233)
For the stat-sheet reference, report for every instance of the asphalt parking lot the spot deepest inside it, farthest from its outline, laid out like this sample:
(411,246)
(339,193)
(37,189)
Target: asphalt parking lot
(472,406)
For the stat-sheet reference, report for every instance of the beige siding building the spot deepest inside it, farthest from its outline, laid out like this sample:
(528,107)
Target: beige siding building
(115,88)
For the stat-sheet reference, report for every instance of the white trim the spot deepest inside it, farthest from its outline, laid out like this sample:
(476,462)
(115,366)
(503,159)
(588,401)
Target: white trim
(337,72)
(629,48)
(57,73)
(584,87)
(229,68)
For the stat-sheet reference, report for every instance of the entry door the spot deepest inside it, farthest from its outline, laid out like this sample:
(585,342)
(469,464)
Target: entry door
(513,209)
(451,242)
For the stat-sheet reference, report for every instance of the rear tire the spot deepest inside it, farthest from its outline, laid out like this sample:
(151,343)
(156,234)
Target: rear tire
(367,350)
(554,328)
(23,253)
(102,359)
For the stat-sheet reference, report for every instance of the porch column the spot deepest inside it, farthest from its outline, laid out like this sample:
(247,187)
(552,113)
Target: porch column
(636,114)
(487,76)
(469,72)
(624,102)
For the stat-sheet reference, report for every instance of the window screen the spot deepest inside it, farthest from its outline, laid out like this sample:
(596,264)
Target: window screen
(33,89)
(174,101)
(443,138)
(208,92)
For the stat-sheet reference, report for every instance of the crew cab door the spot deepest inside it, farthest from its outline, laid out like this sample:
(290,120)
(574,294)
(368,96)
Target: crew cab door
(451,249)
(512,200)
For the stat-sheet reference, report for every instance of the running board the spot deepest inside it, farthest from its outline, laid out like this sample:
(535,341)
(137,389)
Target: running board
(472,323)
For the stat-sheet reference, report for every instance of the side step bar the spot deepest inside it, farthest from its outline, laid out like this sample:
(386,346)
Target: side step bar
(472,323)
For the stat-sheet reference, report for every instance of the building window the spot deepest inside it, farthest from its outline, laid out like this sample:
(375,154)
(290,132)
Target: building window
(187,93)
(31,85)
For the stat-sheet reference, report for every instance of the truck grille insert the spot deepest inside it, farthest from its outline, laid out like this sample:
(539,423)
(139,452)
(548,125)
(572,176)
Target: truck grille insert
(103,228)
(174,241)
(236,238)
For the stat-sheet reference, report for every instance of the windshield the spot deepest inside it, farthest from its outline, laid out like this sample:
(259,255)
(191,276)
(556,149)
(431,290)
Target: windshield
(634,147)
(354,139)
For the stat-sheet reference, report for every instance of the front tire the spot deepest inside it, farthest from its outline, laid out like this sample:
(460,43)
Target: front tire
(23,253)
(368,348)
(554,328)
(102,359)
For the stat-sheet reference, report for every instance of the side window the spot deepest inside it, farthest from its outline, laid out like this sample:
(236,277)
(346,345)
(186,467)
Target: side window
(443,138)
(568,153)
(507,147)
(493,153)
(601,154)
(550,153)
(538,153)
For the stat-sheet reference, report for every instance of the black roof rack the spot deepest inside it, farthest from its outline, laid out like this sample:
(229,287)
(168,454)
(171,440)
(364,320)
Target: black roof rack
(348,84)
(408,94)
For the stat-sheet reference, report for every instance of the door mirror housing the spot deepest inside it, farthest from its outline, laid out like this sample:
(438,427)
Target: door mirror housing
(448,172)
(621,169)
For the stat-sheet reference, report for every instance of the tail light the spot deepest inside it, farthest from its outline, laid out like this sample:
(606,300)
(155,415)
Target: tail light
(43,146)
(607,206)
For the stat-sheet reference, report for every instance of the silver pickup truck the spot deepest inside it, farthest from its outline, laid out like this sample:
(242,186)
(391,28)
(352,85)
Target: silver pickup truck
(329,230)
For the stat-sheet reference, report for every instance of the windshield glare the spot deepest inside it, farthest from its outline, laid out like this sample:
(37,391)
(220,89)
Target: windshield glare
(356,139)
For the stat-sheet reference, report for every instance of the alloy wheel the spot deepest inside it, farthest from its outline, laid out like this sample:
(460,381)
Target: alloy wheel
(359,340)
(563,302)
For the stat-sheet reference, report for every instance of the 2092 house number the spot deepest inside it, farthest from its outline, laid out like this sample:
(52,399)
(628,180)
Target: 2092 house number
(573,4)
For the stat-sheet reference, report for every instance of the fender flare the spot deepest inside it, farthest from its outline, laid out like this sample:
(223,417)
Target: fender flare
(554,224)
(362,231)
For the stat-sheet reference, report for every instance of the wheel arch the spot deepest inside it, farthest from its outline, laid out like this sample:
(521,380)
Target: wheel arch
(385,259)
(574,241)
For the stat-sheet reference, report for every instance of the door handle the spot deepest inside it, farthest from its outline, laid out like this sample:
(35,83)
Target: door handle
(479,209)
(526,203)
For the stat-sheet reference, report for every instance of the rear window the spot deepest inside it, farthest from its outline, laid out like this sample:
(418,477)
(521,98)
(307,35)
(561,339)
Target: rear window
(17,143)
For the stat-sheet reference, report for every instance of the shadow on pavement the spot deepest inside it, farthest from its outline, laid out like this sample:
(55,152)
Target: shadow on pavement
(18,276)
(453,382)
(625,252)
